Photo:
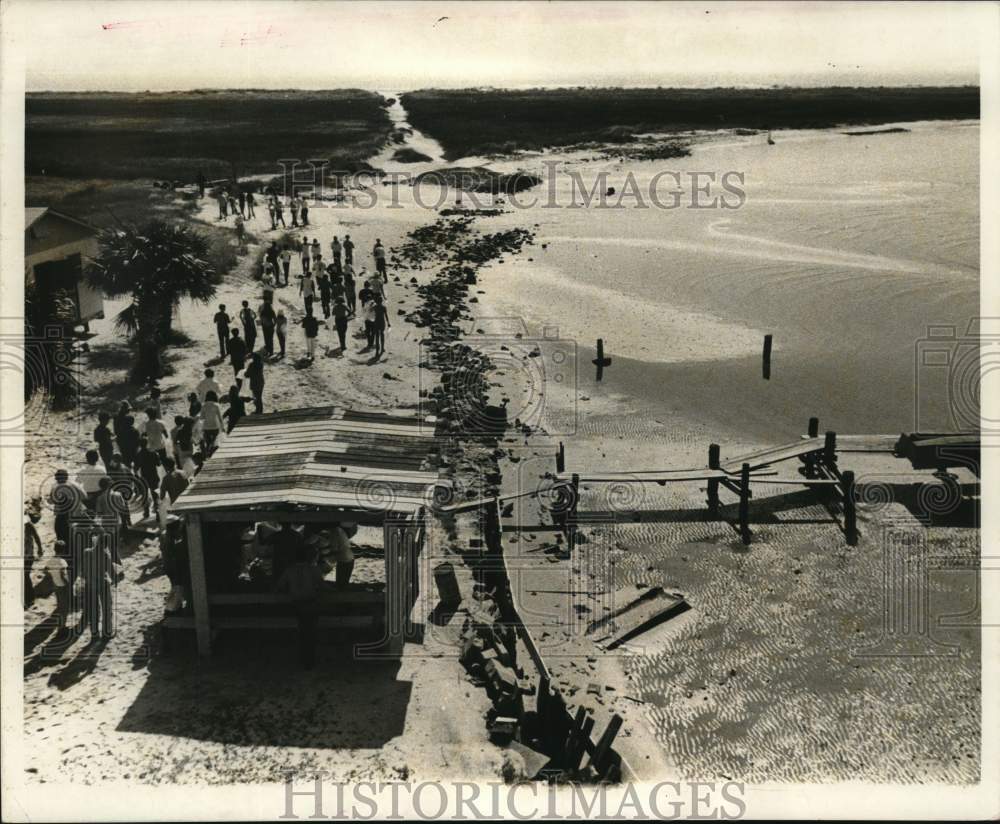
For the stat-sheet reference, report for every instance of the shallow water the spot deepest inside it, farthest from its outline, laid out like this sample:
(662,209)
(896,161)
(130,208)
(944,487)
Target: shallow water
(847,249)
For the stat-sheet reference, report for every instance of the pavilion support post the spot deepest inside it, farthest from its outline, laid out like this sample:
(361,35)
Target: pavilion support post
(850,513)
(199,585)
(713,485)
(745,503)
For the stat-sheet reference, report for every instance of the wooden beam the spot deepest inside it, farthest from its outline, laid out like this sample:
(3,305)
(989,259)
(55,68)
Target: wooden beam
(199,585)
(604,745)
(360,516)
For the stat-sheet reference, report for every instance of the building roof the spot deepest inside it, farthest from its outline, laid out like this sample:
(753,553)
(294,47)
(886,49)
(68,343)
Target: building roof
(33,214)
(321,458)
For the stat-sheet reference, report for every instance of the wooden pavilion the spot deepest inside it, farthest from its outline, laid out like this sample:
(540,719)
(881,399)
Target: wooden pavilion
(312,466)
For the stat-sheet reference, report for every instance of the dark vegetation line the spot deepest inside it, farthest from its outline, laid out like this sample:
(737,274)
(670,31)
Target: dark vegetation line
(484,122)
(173,135)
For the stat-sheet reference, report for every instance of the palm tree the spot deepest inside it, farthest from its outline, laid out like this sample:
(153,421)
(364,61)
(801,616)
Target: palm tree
(157,264)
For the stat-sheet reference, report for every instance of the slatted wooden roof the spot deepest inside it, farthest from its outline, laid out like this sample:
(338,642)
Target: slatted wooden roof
(325,458)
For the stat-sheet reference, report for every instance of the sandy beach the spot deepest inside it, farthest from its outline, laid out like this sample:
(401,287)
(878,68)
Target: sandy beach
(682,300)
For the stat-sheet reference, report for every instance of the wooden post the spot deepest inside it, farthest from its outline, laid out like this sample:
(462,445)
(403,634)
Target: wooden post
(814,427)
(830,449)
(601,750)
(713,485)
(745,503)
(199,585)
(561,458)
(571,522)
(850,513)
(767,357)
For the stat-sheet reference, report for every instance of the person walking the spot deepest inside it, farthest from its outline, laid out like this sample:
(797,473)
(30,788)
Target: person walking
(32,550)
(286,261)
(343,554)
(201,184)
(118,422)
(243,203)
(173,483)
(99,577)
(128,442)
(377,285)
(249,320)
(293,207)
(148,462)
(304,212)
(88,477)
(350,293)
(279,213)
(378,252)
(305,255)
(156,433)
(323,282)
(270,211)
(307,288)
(281,329)
(340,313)
(222,321)
(311,328)
(379,324)
(267,320)
(233,204)
(348,251)
(367,298)
(255,374)
(272,255)
(335,248)
(211,417)
(223,205)
(251,202)
(237,408)
(206,385)
(316,251)
(237,351)
(104,438)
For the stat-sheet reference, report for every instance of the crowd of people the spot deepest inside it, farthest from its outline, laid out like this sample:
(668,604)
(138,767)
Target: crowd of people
(140,463)
(325,288)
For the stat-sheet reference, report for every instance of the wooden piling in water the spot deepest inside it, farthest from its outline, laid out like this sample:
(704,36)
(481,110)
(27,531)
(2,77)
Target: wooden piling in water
(561,458)
(713,485)
(813,427)
(830,449)
(850,512)
(767,357)
(745,503)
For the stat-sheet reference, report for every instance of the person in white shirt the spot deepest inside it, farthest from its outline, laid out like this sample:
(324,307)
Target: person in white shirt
(89,477)
(206,385)
(343,555)
(156,433)
(211,416)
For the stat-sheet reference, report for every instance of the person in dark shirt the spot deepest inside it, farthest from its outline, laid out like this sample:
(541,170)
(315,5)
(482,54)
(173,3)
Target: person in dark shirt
(267,321)
(249,320)
(128,442)
(148,462)
(222,328)
(311,327)
(255,374)
(237,408)
(323,282)
(380,324)
(104,438)
(237,350)
(348,249)
(173,483)
(340,313)
(119,420)
(287,544)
